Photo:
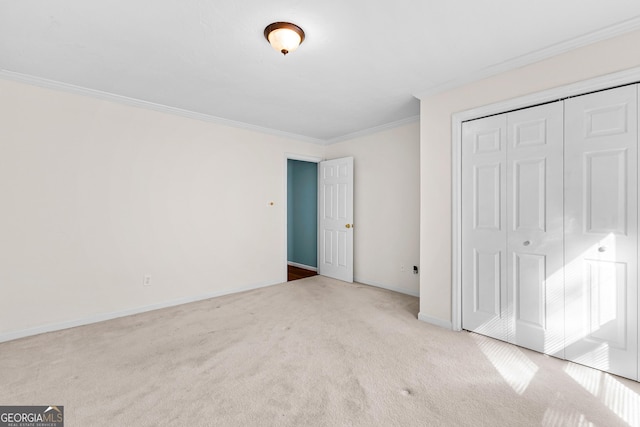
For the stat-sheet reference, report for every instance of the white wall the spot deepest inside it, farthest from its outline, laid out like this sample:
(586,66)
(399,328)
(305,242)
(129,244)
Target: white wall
(609,56)
(97,194)
(386,206)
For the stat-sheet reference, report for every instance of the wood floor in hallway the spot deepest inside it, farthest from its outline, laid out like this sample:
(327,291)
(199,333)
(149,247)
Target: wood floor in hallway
(295,273)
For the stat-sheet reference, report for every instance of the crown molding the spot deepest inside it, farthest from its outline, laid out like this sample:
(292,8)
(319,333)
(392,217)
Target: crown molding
(93,93)
(79,90)
(535,56)
(370,131)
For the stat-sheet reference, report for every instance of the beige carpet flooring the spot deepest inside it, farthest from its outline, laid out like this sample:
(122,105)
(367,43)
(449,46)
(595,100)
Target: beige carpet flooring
(314,352)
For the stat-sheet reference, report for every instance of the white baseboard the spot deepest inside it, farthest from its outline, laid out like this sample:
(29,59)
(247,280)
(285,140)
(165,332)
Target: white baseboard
(390,288)
(306,267)
(9,336)
(435,321)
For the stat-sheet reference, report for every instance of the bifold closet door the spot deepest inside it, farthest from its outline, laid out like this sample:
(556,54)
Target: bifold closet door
(484,226)
(601,160)
(535,228)
(512,254)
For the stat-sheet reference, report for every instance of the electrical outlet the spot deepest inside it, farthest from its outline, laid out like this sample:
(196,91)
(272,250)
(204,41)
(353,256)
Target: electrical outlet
(415,269)
(146,281)
(402,269)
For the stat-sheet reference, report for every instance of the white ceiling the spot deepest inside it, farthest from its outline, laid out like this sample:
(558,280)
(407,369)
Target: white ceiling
(359,67)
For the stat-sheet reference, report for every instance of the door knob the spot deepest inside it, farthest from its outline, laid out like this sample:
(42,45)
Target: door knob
(526,243)
(348,225)
(602,249)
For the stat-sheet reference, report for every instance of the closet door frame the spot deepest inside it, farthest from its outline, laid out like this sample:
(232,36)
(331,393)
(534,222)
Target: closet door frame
(591,85)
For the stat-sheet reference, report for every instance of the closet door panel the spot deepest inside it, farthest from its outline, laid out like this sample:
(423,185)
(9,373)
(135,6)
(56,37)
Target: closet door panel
(484,227)
(535,228)
(601,251)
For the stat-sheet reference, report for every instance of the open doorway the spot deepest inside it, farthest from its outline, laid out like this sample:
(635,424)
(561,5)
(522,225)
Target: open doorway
(302,218)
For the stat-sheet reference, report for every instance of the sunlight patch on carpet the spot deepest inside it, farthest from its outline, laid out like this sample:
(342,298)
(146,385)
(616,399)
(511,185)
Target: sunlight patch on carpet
(620,399)
(516,369)
(562,417)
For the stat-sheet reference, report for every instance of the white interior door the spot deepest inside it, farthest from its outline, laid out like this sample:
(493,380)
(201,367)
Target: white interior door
(601,160)
(535,284)
(335,211)
(484,267)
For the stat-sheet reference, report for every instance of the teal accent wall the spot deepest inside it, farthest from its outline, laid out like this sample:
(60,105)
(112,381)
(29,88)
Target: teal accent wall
(302,216)
(290,199)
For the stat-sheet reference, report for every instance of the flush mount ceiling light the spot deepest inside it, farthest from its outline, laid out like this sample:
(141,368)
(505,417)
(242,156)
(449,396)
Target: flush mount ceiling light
(285,37)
